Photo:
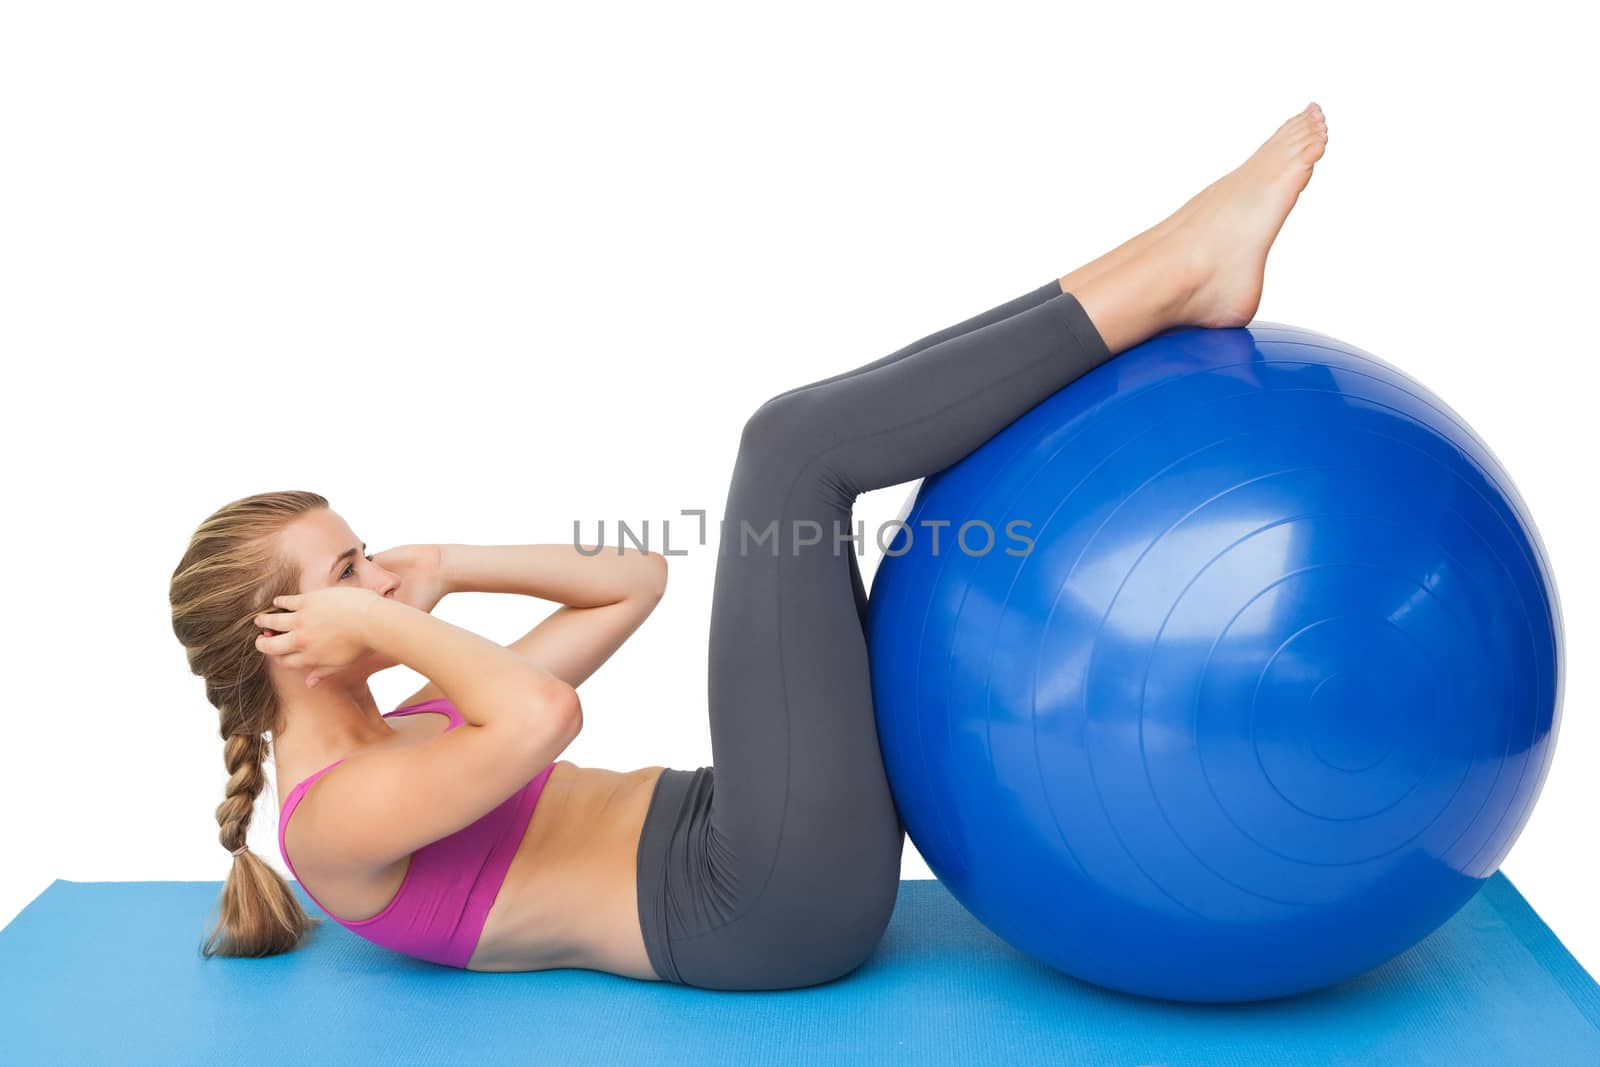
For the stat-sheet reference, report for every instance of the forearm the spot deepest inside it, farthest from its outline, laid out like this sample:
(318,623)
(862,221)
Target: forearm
(553,572)
(486,681)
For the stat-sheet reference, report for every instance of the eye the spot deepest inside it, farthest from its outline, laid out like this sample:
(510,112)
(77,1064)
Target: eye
(349,570)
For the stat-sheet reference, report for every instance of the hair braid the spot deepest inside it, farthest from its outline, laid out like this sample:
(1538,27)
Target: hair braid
(229,573)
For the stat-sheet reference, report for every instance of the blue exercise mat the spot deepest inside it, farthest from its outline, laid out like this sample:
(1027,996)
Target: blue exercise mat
(109,972)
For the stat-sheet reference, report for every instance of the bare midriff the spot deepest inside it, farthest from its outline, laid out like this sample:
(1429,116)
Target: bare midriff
(570,898)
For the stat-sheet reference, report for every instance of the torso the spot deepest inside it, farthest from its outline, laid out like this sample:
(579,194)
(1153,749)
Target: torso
(570,896)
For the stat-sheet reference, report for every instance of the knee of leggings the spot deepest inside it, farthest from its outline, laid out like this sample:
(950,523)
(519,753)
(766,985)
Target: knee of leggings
(777,423)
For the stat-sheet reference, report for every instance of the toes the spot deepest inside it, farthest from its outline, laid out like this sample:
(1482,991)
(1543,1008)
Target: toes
(1307,123)
(1301,137)
(1311,118)
(1313,134)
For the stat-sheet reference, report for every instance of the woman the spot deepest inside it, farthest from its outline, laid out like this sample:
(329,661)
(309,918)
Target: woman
(444,829)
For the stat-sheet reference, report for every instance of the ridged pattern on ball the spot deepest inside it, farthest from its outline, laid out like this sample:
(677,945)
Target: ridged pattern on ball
(1270,695)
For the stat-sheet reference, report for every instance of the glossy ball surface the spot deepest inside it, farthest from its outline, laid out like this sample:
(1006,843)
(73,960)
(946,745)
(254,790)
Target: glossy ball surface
(1257,683)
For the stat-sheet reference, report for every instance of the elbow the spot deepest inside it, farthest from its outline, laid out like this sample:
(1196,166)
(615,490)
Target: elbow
(656,587)
(562,708)
(571,713)
(554,719)
(551,701)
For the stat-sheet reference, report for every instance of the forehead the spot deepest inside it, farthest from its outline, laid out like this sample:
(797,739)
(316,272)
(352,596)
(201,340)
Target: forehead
(317,535)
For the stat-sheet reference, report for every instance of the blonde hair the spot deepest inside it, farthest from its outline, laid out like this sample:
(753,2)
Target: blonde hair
(230,572)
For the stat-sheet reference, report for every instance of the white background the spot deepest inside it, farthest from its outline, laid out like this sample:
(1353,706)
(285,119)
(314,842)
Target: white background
(474,271)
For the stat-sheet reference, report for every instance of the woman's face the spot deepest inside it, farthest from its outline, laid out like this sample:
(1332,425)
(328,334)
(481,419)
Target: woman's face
(330,554)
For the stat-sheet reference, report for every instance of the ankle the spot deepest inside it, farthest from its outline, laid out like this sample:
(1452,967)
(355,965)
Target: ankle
(1177,274)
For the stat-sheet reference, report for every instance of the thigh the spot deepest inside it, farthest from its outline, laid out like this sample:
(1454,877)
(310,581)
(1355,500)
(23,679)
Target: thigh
(790,870)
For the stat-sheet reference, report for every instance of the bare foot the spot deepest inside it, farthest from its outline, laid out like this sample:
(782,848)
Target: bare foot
(1203,265)
(1226,230)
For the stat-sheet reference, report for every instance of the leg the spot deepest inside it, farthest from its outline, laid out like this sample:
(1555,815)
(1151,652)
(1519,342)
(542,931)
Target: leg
(1220,205)
(1098,281)
(794,869)
(803,835)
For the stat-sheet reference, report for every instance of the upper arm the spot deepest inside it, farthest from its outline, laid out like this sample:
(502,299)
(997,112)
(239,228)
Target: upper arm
(378,807)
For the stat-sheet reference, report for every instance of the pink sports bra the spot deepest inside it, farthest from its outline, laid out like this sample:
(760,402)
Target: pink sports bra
(450,884)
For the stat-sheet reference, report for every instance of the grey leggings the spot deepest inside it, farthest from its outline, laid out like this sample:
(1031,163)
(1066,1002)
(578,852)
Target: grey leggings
(778,866)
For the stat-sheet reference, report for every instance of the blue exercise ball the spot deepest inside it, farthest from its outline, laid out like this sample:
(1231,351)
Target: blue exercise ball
(1229,671)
